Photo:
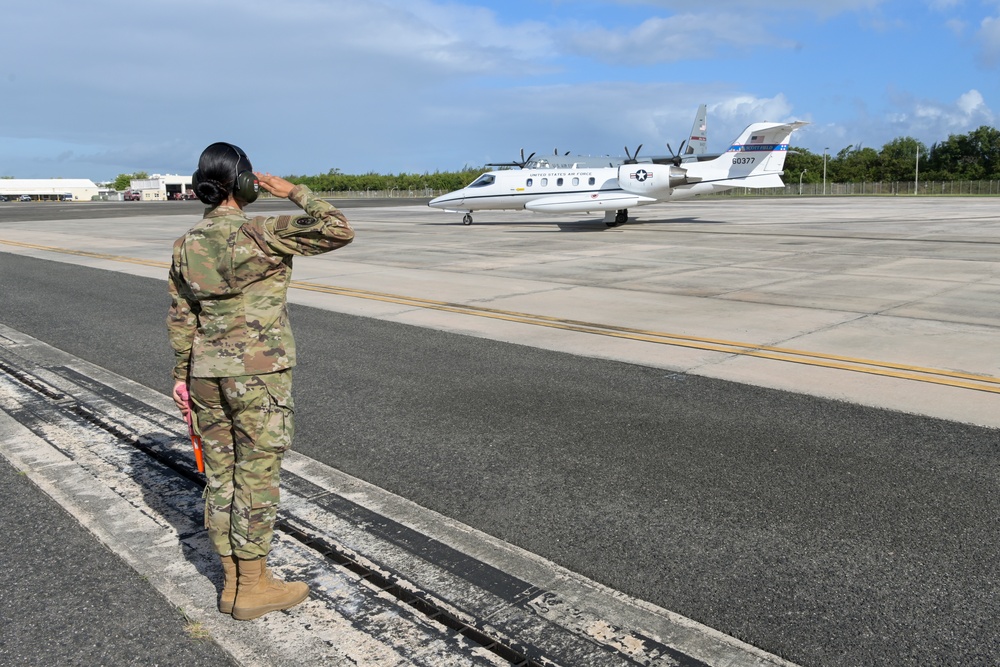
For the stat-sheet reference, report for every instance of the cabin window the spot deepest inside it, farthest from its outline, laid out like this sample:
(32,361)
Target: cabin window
(559,182)
(545,182)
(484,180)
(529,183)
(576,181)
(592,180)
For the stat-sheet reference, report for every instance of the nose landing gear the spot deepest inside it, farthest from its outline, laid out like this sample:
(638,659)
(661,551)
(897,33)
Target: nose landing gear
(467,220)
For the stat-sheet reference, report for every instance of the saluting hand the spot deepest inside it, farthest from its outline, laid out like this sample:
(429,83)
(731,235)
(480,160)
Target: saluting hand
(276,185)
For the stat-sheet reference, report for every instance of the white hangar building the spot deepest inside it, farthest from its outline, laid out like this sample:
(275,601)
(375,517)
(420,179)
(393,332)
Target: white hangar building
(161,187)
(49,189)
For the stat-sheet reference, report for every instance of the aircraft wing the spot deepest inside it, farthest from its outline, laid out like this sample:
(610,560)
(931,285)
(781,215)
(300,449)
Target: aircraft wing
(687,157)
(587,201)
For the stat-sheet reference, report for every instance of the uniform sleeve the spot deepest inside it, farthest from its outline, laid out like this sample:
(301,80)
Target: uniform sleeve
(322,227)
(182,320)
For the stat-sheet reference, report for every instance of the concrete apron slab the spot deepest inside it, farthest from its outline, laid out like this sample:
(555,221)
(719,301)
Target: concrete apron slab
(392,582)
(903,282)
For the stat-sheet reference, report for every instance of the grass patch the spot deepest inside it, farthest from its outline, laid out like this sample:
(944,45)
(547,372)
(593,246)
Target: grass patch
(195,630)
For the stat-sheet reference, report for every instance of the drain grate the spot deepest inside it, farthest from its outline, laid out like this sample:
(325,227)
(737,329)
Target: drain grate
(394,587)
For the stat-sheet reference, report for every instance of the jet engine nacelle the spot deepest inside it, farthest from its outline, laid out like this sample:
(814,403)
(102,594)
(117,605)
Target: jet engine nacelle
(651,180)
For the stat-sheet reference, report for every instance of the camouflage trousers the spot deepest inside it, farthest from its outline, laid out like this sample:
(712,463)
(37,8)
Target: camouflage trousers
(246,426)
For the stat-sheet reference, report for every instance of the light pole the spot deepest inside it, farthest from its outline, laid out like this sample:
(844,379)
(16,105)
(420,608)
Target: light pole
(800,180)
(916,174)
(824,168)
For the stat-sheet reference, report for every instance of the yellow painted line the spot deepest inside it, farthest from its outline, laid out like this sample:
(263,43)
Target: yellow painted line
(85,253)
(872,367)
(958,379)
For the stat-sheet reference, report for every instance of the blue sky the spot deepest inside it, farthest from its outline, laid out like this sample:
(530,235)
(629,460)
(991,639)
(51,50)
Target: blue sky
(304,86)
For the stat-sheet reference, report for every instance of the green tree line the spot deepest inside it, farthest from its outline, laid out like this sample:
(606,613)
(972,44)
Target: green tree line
(962,157)
(337,181)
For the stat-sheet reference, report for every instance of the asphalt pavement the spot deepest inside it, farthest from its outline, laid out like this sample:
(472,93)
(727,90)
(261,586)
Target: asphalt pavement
(65,599)
(825,532)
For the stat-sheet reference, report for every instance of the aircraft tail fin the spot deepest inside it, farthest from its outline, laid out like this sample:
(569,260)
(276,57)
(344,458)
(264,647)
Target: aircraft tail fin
(756,159)
(698,141)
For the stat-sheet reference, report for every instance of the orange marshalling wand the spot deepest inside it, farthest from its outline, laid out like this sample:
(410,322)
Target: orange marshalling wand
(182,392)
(196,444)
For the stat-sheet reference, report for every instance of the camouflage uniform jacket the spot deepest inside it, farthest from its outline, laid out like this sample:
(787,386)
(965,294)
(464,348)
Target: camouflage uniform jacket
(228,280)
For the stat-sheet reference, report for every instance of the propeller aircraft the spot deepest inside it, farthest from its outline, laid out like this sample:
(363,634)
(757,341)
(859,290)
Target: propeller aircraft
(697,145)
(756,159)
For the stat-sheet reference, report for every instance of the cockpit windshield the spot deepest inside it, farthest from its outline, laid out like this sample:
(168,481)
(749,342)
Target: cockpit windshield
(484,180)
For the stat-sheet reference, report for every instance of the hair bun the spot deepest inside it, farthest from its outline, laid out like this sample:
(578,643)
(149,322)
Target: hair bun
(211,192)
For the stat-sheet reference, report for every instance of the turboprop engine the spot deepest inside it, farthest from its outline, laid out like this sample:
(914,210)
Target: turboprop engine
(651,180)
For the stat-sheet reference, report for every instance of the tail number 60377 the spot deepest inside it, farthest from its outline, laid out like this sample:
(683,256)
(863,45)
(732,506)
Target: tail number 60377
(744,160)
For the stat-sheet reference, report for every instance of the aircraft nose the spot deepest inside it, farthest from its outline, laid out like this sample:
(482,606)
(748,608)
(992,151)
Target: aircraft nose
(449,200)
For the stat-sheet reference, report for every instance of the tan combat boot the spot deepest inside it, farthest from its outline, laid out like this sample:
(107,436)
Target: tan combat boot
(229,573)
(259,592)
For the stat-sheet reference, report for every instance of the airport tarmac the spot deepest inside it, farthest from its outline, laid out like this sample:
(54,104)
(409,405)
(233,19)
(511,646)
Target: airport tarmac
(891,302)
(874,302)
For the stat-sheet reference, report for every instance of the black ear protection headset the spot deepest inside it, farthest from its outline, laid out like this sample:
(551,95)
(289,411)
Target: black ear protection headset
(245,186)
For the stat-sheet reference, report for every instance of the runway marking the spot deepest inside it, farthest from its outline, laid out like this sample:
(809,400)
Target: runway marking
(86,253)
(838,362)
(938,376)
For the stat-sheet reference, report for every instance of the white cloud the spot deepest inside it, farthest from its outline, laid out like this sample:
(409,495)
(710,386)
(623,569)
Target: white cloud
(682,37)
(929,121)
(944,5)
(447,38)
(748,109)
(825,8)
(956,26)
(973,105)
(610,117)
(988,38)
(427,84)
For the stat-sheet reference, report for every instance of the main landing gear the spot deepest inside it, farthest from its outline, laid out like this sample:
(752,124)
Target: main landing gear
(621,217)
(467,220)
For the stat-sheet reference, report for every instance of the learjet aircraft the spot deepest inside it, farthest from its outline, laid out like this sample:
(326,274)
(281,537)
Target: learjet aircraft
(756,159)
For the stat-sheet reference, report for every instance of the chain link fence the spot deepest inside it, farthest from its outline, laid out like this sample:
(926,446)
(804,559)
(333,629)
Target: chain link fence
(878,188)
(937,188)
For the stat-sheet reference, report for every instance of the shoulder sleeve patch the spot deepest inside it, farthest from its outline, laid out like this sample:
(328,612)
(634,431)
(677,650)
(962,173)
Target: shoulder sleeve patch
(305,221)
(282,223)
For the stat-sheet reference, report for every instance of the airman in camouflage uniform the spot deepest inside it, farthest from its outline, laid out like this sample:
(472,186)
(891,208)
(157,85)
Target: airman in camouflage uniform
(229,328)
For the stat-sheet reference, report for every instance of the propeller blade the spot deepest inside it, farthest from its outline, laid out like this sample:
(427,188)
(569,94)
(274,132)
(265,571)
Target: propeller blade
(632,157)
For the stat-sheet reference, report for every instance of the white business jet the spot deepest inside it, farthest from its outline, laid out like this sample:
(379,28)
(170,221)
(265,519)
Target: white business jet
(755,160)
